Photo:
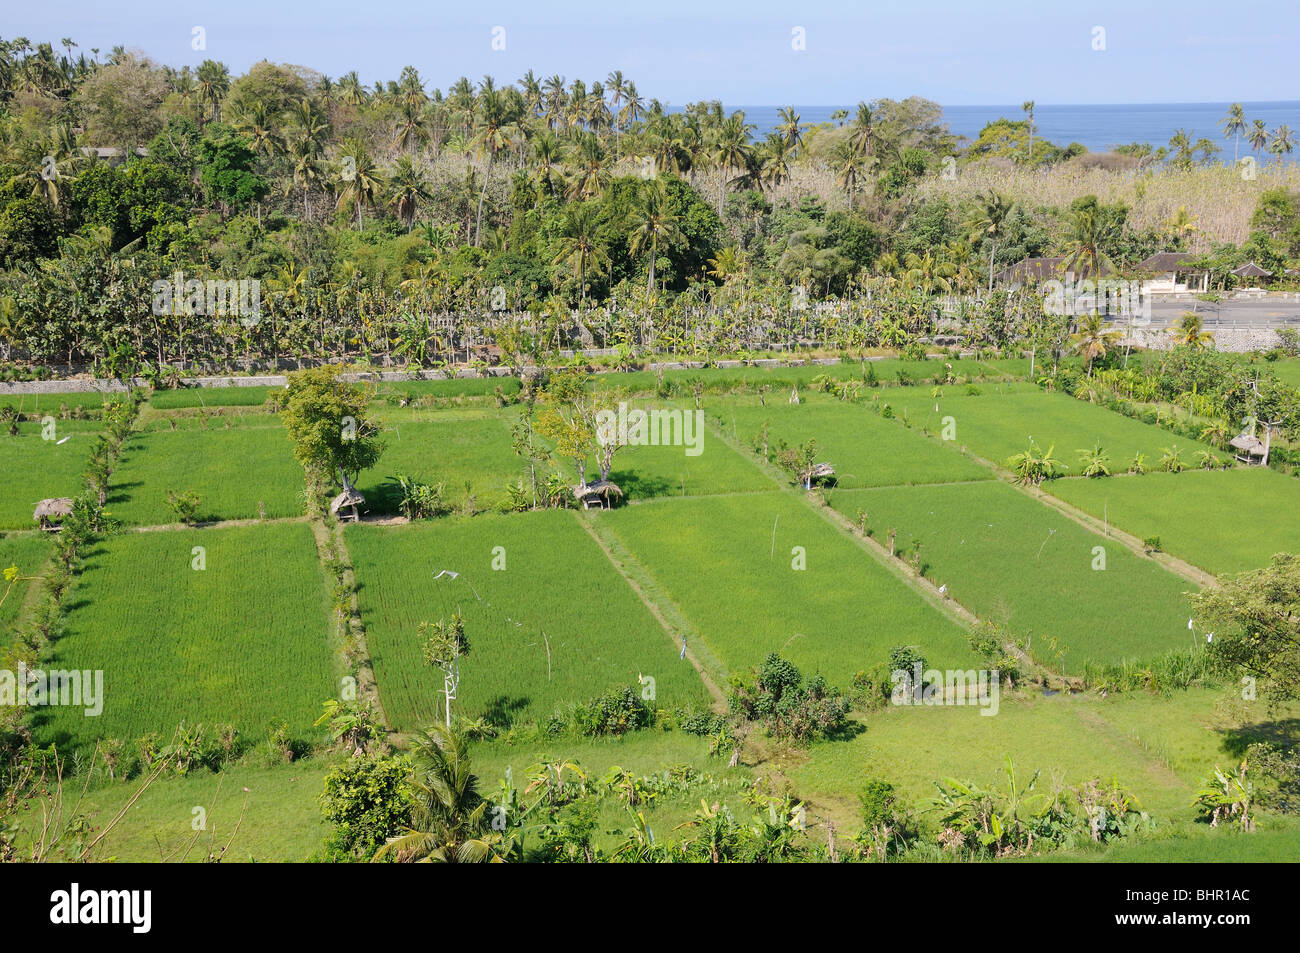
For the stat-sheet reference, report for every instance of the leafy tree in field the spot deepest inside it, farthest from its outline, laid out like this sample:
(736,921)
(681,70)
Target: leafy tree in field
(445,644)
(327,423)
(1256,623)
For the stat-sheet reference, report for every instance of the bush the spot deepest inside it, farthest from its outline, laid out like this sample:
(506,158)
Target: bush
(615,712)
(367,800)
(793,708)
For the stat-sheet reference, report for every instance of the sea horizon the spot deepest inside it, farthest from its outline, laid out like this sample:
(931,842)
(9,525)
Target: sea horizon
(1097,126)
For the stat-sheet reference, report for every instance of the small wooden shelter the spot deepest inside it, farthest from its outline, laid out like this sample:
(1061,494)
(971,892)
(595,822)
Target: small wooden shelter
(1250,449)
(344,506)
(819,473)
(51,513)
(600,494)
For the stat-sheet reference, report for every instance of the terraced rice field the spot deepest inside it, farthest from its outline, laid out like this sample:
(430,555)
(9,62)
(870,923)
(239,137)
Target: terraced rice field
(865,449)
(556,626)
(1019,563)
(727,562)
(1000,421)
(245,641)
(236,473)
(1223,521)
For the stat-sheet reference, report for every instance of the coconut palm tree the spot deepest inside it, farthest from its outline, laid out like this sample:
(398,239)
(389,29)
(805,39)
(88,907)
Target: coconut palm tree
(449,822)
(1093,340)
(1028,107)
(1234,124)
(653,225)
(731,150)
(1181,225)
(359,178)
(788,127)
(987,224)
(408,186)
(579,246)
(862,130)
(1086,236)
(1258,136)
(1282,144)
(1190,331)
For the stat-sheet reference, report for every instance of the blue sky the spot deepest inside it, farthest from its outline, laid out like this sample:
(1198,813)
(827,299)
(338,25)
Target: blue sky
(953,51)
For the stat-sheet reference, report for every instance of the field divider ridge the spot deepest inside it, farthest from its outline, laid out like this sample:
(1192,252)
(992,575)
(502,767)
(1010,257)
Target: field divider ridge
(667,613)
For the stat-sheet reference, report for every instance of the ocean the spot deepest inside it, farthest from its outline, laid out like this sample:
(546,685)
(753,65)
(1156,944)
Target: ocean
(1098,127)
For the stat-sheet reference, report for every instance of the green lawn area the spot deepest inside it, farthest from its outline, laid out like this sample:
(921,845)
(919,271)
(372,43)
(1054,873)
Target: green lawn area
(557,625)
(727,563)
(1020,563)
(865,449)
(232,471)
(246,641)
(28,554)
(1159,747)
(34,469)
(999,422)
(1224,521)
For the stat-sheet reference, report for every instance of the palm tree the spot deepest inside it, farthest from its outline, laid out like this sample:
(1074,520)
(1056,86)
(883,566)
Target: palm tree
(862,130)
(1181,225)
(360,177)
(579,245)
(408,186)
(987,223)
(213,84)
(788,127)
(851,167)
(1086,235)
(496,133)
(258,125)
(1258,137)
(654,224)
(449,822)
(1282,144)
(1190,331)
(591,174)
(1093,339)
(548,156)
(1234,124)
(1028,107)
(731,150)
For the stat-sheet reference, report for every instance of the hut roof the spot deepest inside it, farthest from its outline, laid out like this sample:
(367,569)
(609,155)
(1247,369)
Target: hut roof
(601,488)
(56,506)
(1166,261)
(349,497)
(1248,443)
(1251,270)
(822,470)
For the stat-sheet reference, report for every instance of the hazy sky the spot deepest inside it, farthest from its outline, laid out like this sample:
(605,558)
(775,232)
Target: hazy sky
(953,51)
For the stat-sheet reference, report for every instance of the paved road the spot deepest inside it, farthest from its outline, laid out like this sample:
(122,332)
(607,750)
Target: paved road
(1270,312)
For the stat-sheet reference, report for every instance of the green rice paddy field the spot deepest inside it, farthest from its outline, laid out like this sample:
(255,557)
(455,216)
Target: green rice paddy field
(245,641)
(27,554)
(35,469)
(727,563)
(557,625)
(1019,563)
(1224,521)
(1000,421)
(232,471)
(865,449)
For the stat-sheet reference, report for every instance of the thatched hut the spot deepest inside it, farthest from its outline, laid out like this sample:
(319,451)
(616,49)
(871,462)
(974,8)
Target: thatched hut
(1250,449)
(51,513)
(600,494)
(818,474)
(344,506)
